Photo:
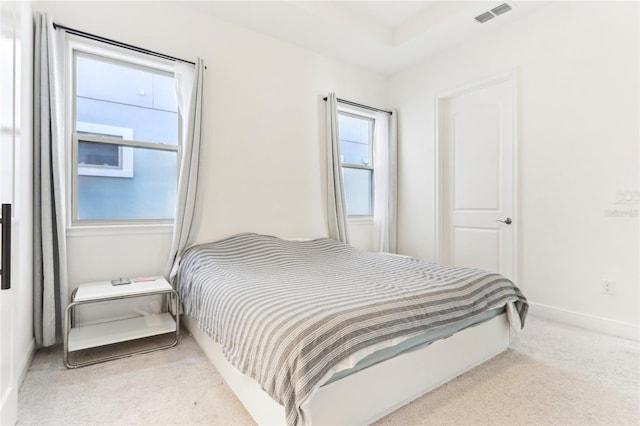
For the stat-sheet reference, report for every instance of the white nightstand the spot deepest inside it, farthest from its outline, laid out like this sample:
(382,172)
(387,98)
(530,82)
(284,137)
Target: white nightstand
(106,333)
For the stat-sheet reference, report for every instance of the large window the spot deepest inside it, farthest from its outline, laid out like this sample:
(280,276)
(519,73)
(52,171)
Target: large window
(356,150)
(125,140)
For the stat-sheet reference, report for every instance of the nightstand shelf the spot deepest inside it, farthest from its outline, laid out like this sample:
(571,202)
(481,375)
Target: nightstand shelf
(107,333)
(77,338)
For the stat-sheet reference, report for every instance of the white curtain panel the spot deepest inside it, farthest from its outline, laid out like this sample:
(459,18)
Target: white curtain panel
(50,252)
(385,160)
(189,81)
(336,209)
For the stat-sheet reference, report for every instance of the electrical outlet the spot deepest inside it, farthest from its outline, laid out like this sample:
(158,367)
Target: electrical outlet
(608,288)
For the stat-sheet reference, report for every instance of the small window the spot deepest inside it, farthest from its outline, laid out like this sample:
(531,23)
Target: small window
(99,155)
(100,159)
(356,150)
(125,140)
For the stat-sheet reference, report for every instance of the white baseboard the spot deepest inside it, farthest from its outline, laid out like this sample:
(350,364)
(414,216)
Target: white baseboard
(590,322)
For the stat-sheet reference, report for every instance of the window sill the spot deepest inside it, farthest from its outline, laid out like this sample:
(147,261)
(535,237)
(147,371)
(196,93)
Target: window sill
(360,220)
(111,230)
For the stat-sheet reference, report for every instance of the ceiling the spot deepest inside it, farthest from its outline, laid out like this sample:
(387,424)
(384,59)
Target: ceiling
(383,36)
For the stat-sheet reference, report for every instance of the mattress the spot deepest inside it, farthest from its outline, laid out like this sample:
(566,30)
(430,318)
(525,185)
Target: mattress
(413,343)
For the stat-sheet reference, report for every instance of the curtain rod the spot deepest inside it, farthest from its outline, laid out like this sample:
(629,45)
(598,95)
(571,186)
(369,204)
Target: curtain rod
(117,43)
(342,101)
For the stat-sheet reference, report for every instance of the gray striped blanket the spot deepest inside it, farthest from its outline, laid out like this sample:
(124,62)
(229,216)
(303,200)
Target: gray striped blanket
(286,312)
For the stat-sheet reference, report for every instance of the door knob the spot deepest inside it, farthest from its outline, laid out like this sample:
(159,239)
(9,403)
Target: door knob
(506,221)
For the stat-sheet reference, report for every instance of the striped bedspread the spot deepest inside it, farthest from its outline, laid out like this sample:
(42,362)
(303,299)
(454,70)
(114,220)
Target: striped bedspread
(286,312)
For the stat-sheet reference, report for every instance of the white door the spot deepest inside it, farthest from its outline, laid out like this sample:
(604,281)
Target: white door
(477,187)
(8,59)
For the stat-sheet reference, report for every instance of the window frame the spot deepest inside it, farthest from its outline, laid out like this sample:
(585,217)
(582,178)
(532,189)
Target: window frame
(75,47)
(370,118)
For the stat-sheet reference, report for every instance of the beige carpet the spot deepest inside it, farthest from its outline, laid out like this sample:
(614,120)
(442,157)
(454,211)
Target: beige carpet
(552,375)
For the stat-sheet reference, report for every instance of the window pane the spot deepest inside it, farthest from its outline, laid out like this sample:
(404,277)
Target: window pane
(119,100)
(111,93)
(98,154)
(358,191)
(149,194)
(355,139)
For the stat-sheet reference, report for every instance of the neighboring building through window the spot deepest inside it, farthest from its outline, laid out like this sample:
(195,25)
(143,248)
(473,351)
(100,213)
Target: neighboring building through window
(356,151)
(101,159)
(125,139)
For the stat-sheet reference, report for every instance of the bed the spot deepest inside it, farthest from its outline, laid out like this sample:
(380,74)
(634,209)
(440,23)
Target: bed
(319,332)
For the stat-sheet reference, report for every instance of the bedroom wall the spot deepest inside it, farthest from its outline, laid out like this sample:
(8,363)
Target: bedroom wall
(577,64)
(262,164)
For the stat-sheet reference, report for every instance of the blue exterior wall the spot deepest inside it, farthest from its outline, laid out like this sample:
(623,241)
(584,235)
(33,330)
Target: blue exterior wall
(113,95)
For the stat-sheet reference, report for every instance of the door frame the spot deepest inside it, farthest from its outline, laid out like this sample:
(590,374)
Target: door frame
(23,346)
(440,245)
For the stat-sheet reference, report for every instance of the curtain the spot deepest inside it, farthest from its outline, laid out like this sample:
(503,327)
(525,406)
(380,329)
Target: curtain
(385,163)
(189,94)
(50,252)
(336,209)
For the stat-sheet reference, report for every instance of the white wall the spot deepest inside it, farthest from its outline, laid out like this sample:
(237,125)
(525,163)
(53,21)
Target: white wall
(262,164)
(577,65)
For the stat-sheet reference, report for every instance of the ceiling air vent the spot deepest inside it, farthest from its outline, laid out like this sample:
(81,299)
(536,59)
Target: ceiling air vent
(498,10)
(503,8)
(484,17)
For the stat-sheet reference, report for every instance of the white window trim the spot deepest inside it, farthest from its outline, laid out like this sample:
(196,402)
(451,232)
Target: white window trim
(360,220)
(125,168)
(82,231)
(83,227)
(86,46)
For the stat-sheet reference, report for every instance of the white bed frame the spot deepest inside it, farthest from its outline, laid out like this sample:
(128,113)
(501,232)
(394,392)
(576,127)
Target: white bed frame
(374,392)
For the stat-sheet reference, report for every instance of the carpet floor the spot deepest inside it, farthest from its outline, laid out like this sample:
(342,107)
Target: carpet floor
(552,374)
